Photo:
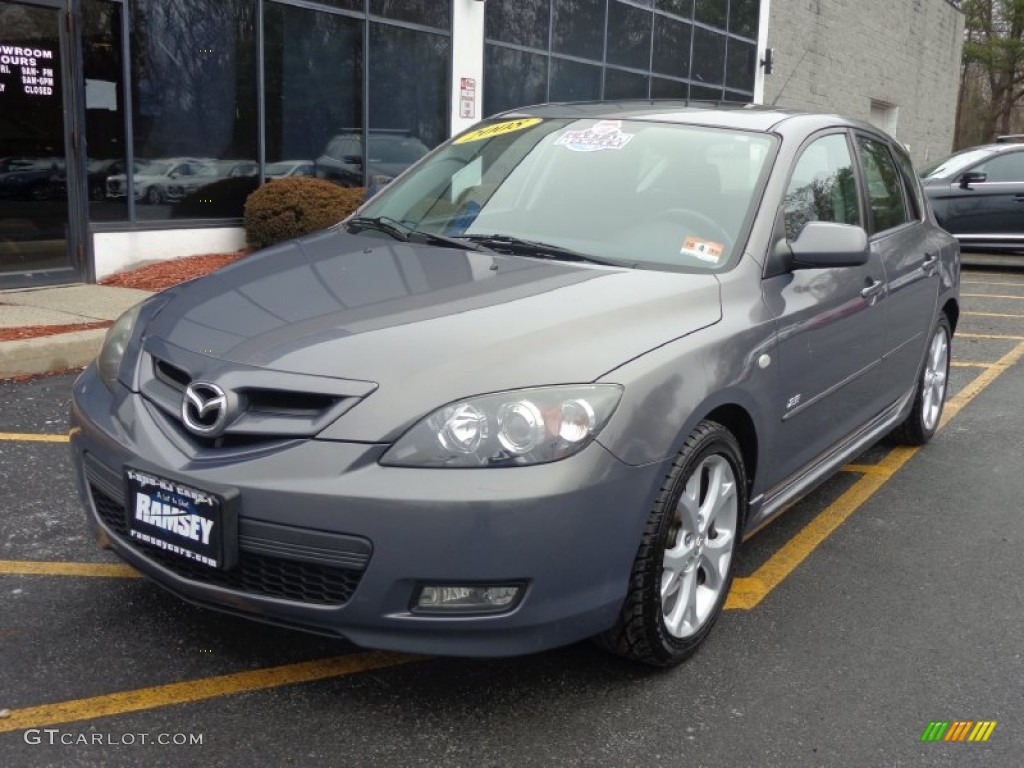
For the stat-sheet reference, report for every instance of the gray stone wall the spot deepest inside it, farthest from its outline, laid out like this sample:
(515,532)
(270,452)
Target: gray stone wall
(842,55)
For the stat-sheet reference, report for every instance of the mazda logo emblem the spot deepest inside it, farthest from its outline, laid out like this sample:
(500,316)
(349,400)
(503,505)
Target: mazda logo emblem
(204,409)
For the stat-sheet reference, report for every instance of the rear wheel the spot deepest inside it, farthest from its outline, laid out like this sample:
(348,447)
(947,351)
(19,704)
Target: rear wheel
(923,420)
(154,196)
(683,569)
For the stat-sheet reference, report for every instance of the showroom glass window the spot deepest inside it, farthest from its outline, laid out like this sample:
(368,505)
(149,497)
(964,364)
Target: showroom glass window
(354,73)
(194,105)
(550,50)
(104,106)
(313,74)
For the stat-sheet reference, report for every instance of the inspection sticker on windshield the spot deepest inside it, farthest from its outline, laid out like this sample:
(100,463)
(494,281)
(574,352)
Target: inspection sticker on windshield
(705,250)
(497,129)
(606,134)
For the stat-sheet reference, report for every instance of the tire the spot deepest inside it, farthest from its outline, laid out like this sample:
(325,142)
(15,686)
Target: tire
(40,192)
(154,196)
(670,607)
(926,413)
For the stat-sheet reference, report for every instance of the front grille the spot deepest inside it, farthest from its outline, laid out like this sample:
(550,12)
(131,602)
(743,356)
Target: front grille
(255,574)
(270,406)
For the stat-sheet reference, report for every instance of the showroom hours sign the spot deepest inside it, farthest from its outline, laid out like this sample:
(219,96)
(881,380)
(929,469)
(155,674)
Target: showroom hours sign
(26,70)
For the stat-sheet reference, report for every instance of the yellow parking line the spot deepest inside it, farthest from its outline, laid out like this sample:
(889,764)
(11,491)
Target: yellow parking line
(995,274)
(992,314)
(41,568)
(26,438)
(989,336)
(198,690)
(748,592)
(992,282)
(986,377)
(991,296)
(867,469)
(971,365)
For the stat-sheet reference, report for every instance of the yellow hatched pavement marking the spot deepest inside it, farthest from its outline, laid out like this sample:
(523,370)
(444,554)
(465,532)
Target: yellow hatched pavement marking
(198,690)
(29,438)
(747,592)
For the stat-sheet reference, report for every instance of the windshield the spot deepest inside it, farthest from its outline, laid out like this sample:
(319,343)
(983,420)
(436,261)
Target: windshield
(630,192)
(153,169)
(387,149)
(954,164)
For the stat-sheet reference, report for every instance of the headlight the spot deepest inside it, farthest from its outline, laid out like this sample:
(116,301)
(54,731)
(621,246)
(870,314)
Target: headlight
(526,426)
(109,361)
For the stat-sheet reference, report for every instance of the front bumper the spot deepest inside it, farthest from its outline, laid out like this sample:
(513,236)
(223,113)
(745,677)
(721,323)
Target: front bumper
(330,541)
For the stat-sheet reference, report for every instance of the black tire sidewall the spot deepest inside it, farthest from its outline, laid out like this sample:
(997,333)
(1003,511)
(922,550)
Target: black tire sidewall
(712,439)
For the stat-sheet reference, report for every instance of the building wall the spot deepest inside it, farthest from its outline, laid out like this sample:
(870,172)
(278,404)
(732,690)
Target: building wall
(842,55)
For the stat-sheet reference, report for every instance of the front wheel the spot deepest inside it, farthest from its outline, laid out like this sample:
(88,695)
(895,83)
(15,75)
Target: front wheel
(684,567)
(924,417)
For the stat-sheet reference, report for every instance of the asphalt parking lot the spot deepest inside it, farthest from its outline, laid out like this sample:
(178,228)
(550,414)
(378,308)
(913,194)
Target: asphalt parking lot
(890,598)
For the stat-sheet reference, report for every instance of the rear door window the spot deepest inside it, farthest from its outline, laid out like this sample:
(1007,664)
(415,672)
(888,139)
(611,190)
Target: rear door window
(884,187)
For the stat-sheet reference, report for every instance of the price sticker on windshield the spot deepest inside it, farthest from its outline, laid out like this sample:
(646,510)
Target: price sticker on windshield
(705,250)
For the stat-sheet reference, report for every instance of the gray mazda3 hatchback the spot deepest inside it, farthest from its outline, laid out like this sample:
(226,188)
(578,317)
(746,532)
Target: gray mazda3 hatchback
(537,390)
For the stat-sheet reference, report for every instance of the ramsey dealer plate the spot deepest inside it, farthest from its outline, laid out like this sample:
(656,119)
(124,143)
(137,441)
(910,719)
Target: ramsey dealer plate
(193,524)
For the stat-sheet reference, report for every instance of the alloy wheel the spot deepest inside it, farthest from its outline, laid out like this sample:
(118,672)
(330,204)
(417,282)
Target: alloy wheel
(700,547)
(936,370)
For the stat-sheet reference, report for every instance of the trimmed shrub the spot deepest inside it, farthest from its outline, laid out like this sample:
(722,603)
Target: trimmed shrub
(287,208)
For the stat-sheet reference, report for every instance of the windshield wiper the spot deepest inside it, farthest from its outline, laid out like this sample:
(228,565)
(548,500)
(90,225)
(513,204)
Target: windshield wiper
(383,224)
(518,245)
(407,234)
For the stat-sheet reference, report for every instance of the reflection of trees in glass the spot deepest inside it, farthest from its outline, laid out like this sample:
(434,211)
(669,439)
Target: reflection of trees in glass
(314,80)
(827,197)
(195,76)
(884,185)
(522,22)
(398,101)
(514,79)
(577,27)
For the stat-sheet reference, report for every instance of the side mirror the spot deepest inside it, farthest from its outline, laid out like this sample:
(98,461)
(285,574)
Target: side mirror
(972,177)
(824,245)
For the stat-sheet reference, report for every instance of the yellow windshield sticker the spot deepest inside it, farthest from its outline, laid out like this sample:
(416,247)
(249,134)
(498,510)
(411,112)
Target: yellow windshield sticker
(497,129)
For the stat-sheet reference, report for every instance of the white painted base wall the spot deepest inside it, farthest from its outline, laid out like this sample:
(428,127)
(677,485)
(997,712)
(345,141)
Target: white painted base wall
(118,251)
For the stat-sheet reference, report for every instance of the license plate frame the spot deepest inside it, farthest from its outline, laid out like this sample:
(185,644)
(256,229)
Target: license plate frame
(198,525)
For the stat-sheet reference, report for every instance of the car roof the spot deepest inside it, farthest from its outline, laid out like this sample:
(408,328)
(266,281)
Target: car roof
(751,117)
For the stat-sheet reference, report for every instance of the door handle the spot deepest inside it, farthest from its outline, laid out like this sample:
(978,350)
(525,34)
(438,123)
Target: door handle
(1018,198)
(931,261)
(872,289)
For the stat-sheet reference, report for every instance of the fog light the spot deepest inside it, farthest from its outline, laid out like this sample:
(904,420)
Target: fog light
(468,599)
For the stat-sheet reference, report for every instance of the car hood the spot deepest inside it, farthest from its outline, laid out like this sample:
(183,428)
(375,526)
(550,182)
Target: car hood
(427,325)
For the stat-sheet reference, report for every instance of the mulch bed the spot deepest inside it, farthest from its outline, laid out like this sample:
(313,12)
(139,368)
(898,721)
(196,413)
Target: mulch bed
(34,331)
(164,274)
(152,277)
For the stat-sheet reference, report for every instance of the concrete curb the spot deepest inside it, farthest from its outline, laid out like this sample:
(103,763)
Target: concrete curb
(44,354)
